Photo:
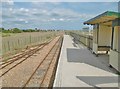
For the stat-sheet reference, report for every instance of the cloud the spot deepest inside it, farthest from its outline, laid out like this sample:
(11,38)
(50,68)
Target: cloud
(21,19)
(9,2)
(66,0)
(24,10)
(55,3)
(11,9)
(61,19)
(26,21)
(40,15)
(47,10)
(53,19)
(22,16)
(61,13)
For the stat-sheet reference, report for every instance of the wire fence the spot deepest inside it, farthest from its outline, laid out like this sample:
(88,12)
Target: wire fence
(14,44)
(87,40)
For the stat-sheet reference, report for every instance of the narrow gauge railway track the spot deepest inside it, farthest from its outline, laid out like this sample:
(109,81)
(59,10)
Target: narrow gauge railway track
(44,66)
(22,53)
(38,69)
(16,55)
(21,57)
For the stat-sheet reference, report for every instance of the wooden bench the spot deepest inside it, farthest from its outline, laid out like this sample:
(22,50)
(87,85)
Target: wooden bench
(104,48)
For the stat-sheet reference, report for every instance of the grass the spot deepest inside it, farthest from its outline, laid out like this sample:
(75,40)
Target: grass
(7,34)
(14,43)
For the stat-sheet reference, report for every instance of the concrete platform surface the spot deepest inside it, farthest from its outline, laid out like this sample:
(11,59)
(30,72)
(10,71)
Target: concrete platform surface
(78,67)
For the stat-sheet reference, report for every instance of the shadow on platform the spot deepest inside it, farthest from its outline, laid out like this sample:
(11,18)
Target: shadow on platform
(85,56)
(99,80)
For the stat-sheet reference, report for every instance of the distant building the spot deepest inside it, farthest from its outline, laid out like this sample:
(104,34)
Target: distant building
(85,29)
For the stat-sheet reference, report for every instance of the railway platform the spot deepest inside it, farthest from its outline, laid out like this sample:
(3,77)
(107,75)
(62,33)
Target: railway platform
(78,67)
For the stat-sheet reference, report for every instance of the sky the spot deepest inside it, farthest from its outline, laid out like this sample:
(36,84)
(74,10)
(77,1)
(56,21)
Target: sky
(51,15)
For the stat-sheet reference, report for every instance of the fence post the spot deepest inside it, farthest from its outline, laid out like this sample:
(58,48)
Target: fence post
(4,48)
(30,39)
(8,46)
(18,43)
(89,42)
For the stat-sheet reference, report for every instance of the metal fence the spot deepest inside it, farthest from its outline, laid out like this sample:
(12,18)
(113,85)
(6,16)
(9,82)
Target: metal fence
(87,40)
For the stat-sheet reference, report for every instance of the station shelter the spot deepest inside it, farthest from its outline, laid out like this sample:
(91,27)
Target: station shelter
(106,36)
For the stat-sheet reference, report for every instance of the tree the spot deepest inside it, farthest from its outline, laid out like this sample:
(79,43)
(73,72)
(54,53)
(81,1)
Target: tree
(2,29)
(16,30)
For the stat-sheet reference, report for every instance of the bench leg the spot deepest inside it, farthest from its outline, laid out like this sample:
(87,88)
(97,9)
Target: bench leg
(110,66)
(106,52)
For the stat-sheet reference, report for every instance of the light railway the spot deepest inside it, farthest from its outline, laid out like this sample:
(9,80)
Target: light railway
(49,59)
(23,54)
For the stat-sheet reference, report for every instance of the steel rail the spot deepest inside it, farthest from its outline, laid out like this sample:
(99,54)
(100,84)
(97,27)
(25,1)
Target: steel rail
(30,54)
(40,64)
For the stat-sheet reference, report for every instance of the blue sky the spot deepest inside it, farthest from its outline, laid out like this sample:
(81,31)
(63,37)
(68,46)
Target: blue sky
(52,15)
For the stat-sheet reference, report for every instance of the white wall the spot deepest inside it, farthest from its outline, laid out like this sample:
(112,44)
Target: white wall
(114,54)
(105,34)
(115,39)
(114,59)
(95,34)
